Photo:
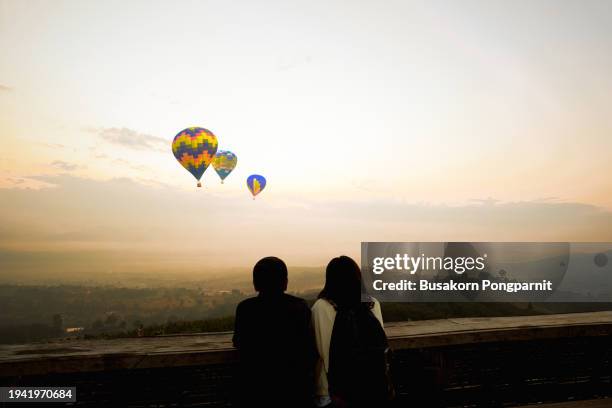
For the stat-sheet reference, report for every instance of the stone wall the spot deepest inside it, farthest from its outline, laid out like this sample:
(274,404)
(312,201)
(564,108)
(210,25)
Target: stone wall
(508,365)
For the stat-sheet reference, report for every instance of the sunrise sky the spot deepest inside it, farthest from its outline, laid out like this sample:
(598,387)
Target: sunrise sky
(372,121)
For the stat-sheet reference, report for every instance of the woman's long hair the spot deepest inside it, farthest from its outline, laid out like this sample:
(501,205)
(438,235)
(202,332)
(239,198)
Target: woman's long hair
(343,287)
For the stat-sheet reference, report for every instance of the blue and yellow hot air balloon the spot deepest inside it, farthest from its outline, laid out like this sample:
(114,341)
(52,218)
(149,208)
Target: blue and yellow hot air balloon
(256,183)
(195,148)
(224,162)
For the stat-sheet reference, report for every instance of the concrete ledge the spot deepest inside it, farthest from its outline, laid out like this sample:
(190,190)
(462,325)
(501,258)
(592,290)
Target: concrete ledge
(81,356)
(596,403)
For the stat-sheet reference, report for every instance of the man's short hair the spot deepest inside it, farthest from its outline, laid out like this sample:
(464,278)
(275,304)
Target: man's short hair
(270,275)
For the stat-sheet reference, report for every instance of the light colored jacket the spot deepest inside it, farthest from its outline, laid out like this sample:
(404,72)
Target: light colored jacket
(323,317)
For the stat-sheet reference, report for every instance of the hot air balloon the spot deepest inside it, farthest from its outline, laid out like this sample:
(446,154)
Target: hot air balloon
(224,162)
(195,148)
(256,183)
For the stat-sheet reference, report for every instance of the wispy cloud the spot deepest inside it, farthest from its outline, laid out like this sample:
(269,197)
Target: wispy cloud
(118,161)
(98,225)
(126,163)
(53,145)
(485,201)
(16,181)
(62,165)
(131,139)
(125,214)
(23,183)
(4,88)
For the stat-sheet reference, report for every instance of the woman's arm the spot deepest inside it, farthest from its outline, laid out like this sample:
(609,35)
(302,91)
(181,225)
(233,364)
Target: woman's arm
(378,312)
(323,316)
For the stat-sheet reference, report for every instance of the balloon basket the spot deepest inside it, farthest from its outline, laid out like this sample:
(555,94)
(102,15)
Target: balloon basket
(222,182)
(199,184)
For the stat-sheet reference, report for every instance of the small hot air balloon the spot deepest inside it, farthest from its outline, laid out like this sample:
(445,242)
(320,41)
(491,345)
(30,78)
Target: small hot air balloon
(224,162)
(256,183)
(195,148)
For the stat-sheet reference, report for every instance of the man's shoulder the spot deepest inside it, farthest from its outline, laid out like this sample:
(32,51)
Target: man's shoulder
(246,303)
(286,298)
(298,301)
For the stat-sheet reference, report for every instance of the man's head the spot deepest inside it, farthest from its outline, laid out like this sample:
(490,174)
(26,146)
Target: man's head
(270,275)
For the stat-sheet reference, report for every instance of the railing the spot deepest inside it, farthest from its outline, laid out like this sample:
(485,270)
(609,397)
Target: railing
(452,362)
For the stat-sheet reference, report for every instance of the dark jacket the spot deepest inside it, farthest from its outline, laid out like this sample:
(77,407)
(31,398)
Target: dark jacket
(276,344)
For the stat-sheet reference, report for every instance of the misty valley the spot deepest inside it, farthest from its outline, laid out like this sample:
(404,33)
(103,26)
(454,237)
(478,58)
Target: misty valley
(30,313)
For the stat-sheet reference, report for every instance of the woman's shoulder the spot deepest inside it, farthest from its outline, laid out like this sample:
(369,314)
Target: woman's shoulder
(320,302)
(326,304)
(322,305)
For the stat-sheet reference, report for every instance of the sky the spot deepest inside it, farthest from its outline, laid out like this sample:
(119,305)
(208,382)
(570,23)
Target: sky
(371,120)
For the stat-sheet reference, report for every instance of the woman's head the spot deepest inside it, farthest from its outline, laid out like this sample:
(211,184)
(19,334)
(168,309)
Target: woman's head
(342,282)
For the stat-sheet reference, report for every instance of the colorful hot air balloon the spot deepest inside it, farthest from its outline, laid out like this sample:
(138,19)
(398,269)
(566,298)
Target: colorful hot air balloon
(224,162)
(256,183)
(195,148)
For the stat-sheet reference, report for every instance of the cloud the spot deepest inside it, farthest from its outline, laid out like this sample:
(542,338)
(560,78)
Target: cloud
(53,145)
(131,139)
(84,227)
(4,88)
(62,165)
(128,164)
(126,215)
(118,161)
(24,183)
(485,201)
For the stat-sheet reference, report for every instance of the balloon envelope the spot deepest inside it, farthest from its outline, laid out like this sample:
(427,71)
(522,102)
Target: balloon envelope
(256,183)
(224,162)
(195,148)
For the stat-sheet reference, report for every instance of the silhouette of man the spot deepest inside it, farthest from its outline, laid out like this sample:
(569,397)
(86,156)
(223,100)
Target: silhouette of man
(275,340)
